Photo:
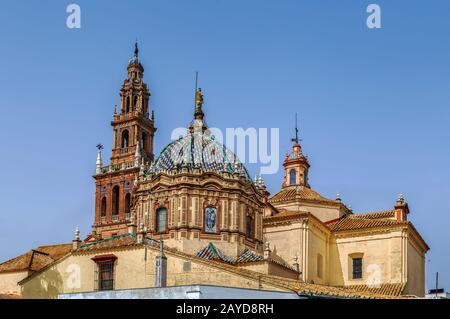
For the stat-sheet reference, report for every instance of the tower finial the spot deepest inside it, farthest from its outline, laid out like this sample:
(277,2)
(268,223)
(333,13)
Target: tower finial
(296,139)
(99,162)
(198,115)
(136,49)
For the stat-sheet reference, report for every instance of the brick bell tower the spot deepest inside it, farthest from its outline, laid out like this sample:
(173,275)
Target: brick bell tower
(133,132)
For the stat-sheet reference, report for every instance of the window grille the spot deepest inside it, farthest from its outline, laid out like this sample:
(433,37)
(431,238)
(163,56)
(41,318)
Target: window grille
(106,276)
(357,268)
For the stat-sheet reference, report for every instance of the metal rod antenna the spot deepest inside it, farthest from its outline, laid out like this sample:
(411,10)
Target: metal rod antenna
(196,81)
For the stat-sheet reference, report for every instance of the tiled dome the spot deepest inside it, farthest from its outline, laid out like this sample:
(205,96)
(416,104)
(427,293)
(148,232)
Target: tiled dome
(198,150)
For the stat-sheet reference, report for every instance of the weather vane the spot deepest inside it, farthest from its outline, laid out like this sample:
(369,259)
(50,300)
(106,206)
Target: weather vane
(99,146)
(296,139)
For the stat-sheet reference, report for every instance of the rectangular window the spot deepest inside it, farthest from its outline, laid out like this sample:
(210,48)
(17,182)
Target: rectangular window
(357,268)
(106,276)
(161,220)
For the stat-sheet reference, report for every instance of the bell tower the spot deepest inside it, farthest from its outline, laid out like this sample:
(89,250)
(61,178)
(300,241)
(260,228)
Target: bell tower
(296,165)
(132,127)
(133,132)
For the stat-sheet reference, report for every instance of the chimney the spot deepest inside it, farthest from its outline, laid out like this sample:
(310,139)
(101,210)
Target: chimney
(76,243)
(132,225)
(267,251)
(401,208)
(161,267)
(141,234)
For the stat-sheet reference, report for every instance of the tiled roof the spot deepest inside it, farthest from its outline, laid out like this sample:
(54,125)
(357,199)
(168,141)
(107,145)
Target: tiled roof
(112,242)
(299,193)
(36,259)
(377,215)
(211,252)
(249,256)
(353,222)
(315,290)
(55,251)
(383,289)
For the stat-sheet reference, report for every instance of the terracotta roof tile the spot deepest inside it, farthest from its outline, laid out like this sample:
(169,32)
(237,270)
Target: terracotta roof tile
(55,251)
(39,260)
(299,193)
(112,242)
(18,263)
(395,289)
(36,259)
(353,222)
(377,215)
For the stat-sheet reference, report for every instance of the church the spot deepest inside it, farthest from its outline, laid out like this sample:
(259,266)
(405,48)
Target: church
(193,216)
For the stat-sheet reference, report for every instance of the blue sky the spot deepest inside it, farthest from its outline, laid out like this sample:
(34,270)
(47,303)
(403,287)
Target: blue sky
(373,104)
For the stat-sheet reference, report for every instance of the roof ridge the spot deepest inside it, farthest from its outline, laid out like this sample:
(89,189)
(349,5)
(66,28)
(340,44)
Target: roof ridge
(40,252)
(53,245)
(107,239)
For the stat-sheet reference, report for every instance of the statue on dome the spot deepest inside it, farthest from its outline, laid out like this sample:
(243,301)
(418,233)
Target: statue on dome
(198,98)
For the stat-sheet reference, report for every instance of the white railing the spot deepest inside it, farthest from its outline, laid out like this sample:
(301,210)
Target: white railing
(117,167)
(115,218)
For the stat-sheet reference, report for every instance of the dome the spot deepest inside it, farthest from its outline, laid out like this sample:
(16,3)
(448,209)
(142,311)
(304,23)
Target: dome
(199,150)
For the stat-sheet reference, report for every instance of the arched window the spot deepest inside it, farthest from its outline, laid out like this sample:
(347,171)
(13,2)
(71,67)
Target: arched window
(128,104)
(103,207)
(144,106)
(292,177)
(127,203)
(250,227)
(115,200)
(144,140)
(161,220)
(210,220)
(125,138)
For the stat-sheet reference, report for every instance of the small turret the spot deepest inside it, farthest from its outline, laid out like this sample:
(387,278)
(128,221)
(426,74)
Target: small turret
(137,155)
(296,164)
(99,162)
